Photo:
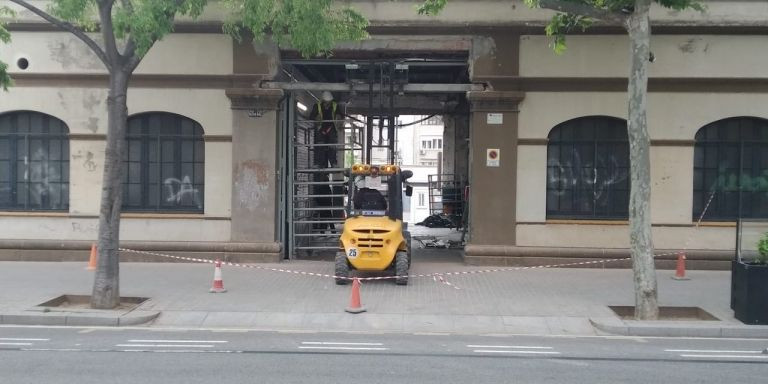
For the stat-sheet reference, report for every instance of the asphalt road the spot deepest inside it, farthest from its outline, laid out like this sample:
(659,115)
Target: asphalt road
(132,355)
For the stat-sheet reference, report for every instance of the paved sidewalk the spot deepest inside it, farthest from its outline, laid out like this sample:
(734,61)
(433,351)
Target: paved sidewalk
(534,301)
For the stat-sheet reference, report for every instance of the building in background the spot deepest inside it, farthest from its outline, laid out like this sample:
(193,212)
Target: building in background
(420,148)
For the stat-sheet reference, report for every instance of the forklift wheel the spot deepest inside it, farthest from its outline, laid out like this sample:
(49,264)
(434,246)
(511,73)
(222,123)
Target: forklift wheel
(407,235)
(342,268)
(401,268)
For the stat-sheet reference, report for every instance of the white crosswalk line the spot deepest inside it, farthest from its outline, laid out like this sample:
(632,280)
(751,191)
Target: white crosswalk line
(345,348)
(513,349)
(342,346)
(520,352)
(509,346)
(21,339)
(336,343)
(178,341)
(727,356)
(165,345)
(709,351)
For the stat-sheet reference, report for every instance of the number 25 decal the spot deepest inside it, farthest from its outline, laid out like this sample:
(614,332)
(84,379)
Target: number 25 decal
(352,252)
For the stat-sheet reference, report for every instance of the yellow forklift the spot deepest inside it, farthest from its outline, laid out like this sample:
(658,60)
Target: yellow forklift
(374,237)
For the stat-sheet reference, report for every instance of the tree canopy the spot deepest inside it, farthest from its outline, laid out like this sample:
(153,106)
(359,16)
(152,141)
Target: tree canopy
(5,37)
(310,26)
(578,14)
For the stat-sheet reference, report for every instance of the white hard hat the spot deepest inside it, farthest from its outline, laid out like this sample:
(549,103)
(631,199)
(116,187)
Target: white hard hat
(327,96)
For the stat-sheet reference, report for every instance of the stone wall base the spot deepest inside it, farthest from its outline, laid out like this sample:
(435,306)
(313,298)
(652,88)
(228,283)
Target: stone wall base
(48,250)
(514,256)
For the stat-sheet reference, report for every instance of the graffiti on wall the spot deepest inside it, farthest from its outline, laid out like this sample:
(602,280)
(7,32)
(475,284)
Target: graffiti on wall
(181,192)
(251,185)
(733,180)
(571,174)
(44,180)
(88,163)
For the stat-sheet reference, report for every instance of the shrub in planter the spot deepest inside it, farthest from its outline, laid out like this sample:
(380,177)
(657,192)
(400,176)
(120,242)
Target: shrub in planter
(749,286)
(762,250)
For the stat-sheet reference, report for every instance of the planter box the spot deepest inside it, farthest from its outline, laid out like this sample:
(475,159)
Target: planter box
(749,292)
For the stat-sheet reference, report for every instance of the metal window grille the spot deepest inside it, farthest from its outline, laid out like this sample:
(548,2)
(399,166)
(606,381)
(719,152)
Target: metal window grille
(731,161)
(164,164)
(34,162)
(588,169)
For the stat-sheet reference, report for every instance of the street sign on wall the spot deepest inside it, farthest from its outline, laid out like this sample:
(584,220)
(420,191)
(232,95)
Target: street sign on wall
(492,157)
(494,118)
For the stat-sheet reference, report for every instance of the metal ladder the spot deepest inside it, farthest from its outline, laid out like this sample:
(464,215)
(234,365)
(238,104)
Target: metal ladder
(314,226)
(316,219)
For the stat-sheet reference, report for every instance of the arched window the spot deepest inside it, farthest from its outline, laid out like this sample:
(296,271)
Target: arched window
(34,162)
(164,164)
(588,169)
(730,168)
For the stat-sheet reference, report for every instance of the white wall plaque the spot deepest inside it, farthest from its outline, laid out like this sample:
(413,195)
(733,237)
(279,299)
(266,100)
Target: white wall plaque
(495,118)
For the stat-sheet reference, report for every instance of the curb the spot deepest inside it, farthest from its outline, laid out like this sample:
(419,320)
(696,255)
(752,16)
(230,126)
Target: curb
(59,318)
(678,329)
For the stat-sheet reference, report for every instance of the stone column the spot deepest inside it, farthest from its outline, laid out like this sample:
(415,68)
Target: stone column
(493,116)
(449,144)
(254,163)
(461,146)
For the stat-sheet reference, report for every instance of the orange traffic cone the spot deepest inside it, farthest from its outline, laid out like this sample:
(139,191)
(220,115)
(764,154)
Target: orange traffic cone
(680,272)
(218,283)
(354,299)
(94,258)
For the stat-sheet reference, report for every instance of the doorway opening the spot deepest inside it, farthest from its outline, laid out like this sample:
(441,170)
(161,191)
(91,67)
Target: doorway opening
(401,110)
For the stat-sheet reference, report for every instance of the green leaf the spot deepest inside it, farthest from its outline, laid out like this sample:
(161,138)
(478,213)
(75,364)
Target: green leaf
(564,23)
(560,25)
(313,27)
(431,7)
(762,250)
(5,79)
(5,37)
(82,13)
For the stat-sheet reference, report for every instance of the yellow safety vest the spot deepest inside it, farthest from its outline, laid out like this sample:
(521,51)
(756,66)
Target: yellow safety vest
(320,113)
(320,110)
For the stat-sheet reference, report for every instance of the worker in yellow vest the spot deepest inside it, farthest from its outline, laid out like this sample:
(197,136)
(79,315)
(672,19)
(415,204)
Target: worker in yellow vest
(328,118)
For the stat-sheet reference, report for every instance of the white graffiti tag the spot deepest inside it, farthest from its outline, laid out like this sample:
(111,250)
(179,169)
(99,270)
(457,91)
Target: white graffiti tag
(564,176)
(181,192)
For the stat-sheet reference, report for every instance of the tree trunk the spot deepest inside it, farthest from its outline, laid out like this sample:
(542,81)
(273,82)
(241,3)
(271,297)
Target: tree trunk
(106,285)
(646,304)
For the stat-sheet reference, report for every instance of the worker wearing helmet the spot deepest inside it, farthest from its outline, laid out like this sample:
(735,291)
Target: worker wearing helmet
(327,118)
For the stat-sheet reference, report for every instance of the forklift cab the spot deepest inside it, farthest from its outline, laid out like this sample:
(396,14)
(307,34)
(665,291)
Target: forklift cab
(374,237)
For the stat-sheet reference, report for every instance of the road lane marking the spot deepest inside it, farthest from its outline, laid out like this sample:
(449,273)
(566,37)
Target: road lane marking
(178,341)
(508,346)
(346,348)
(727,356)
(54,350)
(177,351)
(337,343)
(21,339)
(521,352)
(165,345)
(708,351)
(16,344)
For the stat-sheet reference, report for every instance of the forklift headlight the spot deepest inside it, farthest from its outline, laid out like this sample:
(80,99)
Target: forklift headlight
(361,169)
(388,169)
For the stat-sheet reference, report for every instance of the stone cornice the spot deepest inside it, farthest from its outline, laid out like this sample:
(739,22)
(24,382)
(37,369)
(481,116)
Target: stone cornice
(254,98)
(495,101)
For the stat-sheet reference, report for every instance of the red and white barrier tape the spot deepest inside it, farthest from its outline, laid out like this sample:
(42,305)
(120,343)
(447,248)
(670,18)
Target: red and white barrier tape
(437,276)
